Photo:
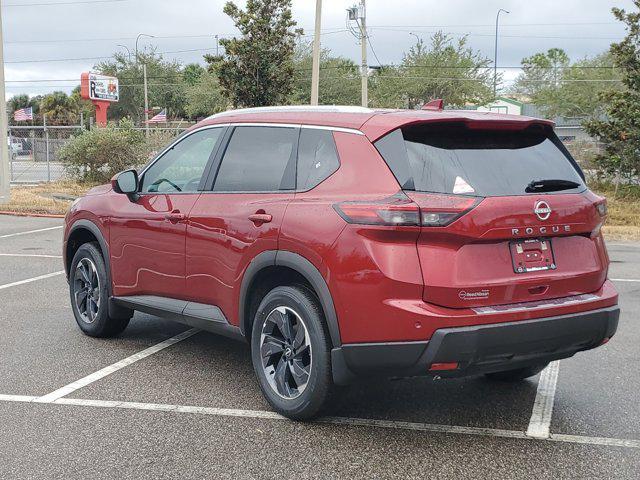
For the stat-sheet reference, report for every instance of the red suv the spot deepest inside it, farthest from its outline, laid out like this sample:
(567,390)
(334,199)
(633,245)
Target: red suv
(345,242)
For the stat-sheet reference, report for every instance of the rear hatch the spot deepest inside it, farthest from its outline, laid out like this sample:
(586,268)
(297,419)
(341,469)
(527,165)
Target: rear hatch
(505,214)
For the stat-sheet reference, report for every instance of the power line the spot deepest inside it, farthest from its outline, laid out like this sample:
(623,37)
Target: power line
(79,2)
(104,57)
(162,37)
(389,29)
(506,25)
(373,50)
(338,67)
(465,79)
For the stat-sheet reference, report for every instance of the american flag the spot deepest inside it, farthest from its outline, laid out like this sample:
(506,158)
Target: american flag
(159,118)
(23,114)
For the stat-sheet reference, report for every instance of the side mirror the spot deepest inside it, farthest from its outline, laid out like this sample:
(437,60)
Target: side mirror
(127,183)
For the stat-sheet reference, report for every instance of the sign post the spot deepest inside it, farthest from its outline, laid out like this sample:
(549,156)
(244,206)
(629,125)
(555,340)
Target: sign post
(102,90)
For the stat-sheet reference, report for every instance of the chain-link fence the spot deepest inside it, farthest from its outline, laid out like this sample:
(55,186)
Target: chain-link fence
(34,152)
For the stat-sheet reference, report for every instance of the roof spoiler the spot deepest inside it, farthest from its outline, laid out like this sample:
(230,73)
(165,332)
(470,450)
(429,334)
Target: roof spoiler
(437,104)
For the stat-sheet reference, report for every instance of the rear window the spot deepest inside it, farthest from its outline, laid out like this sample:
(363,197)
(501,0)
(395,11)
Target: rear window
(456,159)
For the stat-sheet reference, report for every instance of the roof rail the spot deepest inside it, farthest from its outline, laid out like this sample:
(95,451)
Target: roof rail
(294,108)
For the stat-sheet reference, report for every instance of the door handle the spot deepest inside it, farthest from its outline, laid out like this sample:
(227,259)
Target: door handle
(260,218)
(175,216)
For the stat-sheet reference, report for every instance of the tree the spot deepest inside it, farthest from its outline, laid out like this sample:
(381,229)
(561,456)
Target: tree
(84,107)
(560,88)
(339,78)
(444,69)
(257,68)
(164,79)
(59,108)
(620,130)
(192,73)
(540,72)
(205,97)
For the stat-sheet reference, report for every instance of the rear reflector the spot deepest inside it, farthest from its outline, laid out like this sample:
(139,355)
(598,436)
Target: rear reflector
(438,367)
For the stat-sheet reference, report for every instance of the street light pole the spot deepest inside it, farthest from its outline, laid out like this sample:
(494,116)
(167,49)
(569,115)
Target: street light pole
(146,101)
(146,94)
(140,35)
(315,70)
(5,180)
(495,57)
(127,49)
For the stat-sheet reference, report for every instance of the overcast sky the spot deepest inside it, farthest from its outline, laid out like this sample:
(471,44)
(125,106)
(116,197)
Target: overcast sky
(78,32)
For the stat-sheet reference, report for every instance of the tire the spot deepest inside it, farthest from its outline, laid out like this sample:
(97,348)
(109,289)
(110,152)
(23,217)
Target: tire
(89,274)
(294,373)
(517,374)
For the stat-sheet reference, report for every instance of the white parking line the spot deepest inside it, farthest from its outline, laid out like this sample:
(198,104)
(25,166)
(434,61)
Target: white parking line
(348,421)
(29,280)
(29,255)
(83,382)
(625,280)
(31,231)
(540,422)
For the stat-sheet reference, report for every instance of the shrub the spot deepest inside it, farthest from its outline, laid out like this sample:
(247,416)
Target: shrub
(97,154)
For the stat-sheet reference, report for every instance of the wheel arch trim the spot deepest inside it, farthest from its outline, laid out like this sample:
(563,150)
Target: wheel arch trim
(305,268)
(104,247)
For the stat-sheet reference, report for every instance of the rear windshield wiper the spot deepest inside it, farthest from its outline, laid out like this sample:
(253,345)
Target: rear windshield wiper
(550,185)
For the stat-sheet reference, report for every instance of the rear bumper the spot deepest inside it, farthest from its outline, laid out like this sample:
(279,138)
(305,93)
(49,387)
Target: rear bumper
(479,349)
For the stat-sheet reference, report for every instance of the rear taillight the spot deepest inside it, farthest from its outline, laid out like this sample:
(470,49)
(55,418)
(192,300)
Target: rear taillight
(410,209)
(397,210)
(602,209)
(438,210)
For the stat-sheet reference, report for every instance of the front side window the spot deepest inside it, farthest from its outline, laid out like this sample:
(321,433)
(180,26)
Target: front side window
(180,169)
(257,159)
(317,157)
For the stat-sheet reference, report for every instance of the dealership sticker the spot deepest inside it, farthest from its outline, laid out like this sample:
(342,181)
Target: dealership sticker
(461,186)
(475,295)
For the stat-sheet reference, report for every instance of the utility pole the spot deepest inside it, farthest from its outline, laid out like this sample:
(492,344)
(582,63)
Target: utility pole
(363,40)
(315,71)
(146,100)
(217,53)
(5,181)
(495,57)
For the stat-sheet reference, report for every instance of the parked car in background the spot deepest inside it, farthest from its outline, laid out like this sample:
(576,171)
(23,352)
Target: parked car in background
(345,243)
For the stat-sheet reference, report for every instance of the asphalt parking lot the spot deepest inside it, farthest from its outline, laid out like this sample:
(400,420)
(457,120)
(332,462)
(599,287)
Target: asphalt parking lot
(164,401)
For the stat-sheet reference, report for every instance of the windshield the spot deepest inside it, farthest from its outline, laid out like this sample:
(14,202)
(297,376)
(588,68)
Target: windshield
(456,159)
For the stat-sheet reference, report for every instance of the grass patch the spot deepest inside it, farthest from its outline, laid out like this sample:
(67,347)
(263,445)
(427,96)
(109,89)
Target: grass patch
(41,199)
(623,222)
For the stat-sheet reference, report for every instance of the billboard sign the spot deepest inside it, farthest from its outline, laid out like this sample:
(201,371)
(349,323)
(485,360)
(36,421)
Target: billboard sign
(100,87)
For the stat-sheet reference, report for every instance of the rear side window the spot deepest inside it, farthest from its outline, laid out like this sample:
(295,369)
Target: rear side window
(456,159)
(257,159)
(317,157)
